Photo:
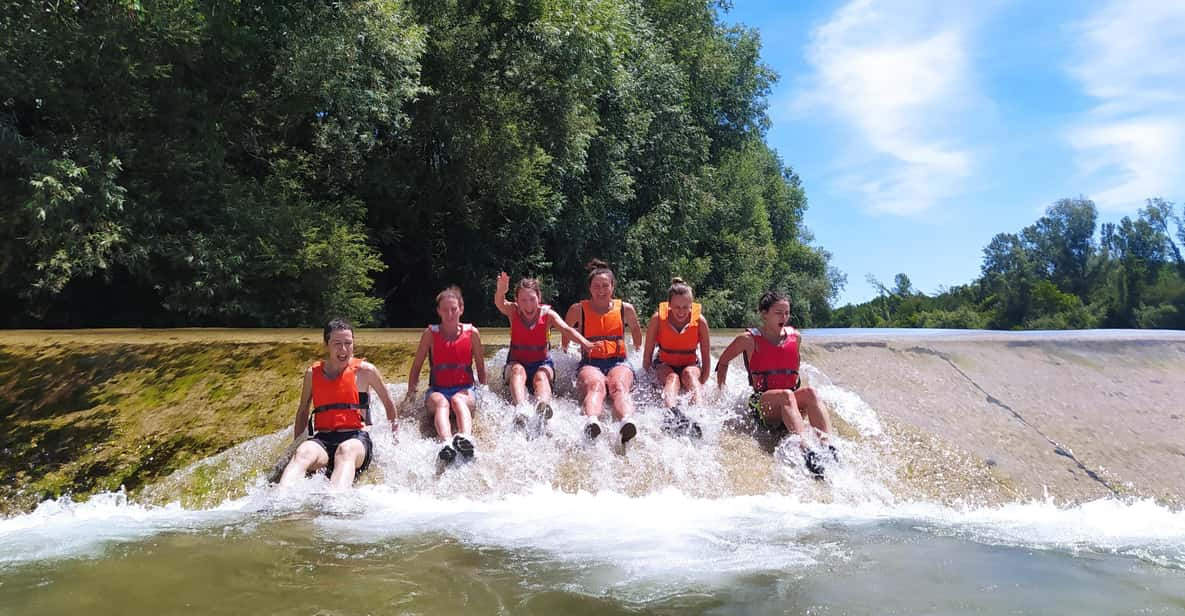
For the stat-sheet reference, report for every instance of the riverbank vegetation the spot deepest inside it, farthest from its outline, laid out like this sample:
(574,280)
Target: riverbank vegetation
(1062,272)
(180,163)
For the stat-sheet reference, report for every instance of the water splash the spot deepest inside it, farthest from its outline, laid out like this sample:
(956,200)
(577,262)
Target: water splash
(728,504)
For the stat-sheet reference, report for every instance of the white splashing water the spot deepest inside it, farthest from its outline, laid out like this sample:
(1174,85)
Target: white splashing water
(519,495)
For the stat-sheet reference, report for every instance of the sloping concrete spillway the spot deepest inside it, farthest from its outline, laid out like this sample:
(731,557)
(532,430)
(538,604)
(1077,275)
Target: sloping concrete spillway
(1074,416)
(979,472)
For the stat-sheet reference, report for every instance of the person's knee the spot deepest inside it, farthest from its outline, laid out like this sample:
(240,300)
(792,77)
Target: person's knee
(352,449)
(517,371)
(807,395)
(590,382)
(780,398)
(460,403)
(617,387)
(307,453)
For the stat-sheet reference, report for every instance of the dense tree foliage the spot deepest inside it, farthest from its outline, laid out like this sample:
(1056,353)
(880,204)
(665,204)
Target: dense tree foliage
(218,162)
(1055,274)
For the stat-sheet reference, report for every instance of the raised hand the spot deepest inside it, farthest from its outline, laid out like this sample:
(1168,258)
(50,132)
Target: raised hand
(503,284)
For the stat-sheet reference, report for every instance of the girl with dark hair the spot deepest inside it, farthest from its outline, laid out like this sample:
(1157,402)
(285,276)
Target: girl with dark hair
(603,369)
(528,362)
(779,402)
(334,411)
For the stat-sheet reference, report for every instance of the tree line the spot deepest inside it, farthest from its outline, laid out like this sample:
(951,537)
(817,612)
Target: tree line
(266,163)
(1057,273)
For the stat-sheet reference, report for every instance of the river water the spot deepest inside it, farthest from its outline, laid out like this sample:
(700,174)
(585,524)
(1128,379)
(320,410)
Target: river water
(730,524)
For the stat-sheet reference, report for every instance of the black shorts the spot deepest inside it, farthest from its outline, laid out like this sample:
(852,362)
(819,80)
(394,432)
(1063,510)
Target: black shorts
(330,440)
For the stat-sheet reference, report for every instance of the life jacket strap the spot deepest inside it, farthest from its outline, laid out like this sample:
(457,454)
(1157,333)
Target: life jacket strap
(339,406)
(440,367)
(363,408)
(529,347)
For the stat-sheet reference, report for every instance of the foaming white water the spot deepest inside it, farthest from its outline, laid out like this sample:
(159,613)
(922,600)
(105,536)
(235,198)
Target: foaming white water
(846,404)
(665,507)
(1138,528)
(61,528)
(658,535)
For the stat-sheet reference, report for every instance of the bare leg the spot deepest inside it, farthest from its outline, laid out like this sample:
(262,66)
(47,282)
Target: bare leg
(346,459)
(591,385)
(542,382)
(670,385)
(309,457)
(690,380)
(620,382)
(437,406)
(462,404)
(779,406)
(808,402)
(517,379)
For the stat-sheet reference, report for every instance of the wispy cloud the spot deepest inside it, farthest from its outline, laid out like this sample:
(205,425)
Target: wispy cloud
(1130,56)
(896,75)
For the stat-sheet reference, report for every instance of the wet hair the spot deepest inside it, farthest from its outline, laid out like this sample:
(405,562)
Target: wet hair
(531,284)
(336,325)
(451,291)
(769,298)
(596,267)
(678,287)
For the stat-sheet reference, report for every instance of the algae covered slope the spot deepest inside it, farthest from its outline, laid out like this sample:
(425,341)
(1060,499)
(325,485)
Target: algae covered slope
(88,412)
(967,417)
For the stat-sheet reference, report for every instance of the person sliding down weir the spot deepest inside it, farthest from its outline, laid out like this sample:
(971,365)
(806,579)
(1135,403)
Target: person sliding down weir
(604,369)
(453,350)
(678,331)
(338,388)
(779,402)
(529,368)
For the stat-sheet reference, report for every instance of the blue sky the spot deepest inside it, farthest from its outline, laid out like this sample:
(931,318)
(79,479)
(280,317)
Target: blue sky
(922,129)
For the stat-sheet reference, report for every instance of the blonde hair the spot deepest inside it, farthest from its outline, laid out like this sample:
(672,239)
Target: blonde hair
(451,291)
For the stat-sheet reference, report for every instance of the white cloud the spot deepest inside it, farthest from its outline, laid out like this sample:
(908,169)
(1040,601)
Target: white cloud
(1130,57)
(896,74)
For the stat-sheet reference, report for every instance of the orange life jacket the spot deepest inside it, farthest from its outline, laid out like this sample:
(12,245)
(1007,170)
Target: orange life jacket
(451,361)
(677,348)
(608,327)
(773,366)
(529,343)
(337,404)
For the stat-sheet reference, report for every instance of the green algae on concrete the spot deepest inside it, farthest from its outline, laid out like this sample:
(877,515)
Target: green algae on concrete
(99,413)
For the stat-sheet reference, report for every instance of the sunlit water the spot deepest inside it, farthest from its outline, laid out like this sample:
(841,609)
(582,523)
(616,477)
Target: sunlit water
(730,524)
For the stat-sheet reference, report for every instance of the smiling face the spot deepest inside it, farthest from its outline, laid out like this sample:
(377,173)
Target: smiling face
(449,309)
(339,349)
(527,300)
(600,289)
(776,316)
(680,308)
